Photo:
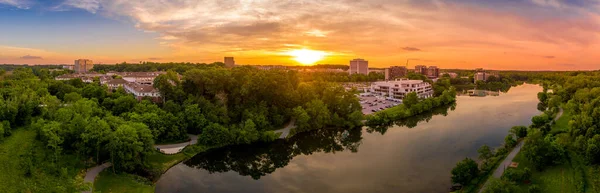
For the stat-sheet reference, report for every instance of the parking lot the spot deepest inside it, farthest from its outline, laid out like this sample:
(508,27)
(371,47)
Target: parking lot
(372,104)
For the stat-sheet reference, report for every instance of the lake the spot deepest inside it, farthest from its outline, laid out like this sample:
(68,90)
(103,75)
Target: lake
(415,155)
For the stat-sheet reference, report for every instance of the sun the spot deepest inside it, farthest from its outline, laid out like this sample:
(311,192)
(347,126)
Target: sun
(306,56)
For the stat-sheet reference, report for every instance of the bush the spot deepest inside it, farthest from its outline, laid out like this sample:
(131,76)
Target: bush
(465,171)
(534,189)
(517,176)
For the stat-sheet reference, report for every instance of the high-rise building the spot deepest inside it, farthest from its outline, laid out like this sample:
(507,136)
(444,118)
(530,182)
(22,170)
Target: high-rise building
(229,62)
(421,69)
(359,66)
(83,65)
(395,72)
(433,72)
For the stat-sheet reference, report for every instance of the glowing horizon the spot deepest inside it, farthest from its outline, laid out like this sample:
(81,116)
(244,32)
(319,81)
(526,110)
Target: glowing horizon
(517,35)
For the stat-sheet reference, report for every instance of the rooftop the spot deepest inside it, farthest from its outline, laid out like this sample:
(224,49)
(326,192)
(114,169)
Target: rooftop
(141,88)
(117,81)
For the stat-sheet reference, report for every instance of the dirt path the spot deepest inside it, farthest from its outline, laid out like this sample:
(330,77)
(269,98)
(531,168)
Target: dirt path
(286,131)
(559,114)
(92,173)
(176,148)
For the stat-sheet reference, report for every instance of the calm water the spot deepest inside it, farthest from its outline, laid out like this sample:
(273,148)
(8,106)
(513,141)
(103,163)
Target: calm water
(416,156)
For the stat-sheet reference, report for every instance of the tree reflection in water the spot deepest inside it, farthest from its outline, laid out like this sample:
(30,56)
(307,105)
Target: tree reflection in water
(413,121)
(259,159)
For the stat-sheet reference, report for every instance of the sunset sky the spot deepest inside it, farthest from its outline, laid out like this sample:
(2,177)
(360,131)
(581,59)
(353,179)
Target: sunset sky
(493,34)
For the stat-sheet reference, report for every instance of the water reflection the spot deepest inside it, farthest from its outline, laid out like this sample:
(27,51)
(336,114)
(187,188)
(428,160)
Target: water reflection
(259,159)
(412,155)
(413,121)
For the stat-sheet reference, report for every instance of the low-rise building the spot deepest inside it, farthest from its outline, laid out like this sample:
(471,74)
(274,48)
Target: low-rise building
(66,77)
(482,75)
(140,91)
(105,79)
(115,83)
(399,88)
(451,74)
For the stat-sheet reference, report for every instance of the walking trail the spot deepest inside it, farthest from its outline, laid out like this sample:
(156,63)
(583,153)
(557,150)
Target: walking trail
(286,131)
(92,173)
(176,148)
(508,160)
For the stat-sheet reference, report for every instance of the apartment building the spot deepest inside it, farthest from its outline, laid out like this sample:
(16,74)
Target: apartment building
(359,66)
(399,88)
(83,65)
(395,72)
(433,72)
(140,91)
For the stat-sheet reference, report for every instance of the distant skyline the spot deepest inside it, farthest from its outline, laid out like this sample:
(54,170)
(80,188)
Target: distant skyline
(467,34)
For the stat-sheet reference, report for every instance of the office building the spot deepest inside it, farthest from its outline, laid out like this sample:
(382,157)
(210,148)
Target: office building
(83,66)
(482,75)
(229,62)
(399,88)
(395,72)
(421,69)
(359,66)
(433,72)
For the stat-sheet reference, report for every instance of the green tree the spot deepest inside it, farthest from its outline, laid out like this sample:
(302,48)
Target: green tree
(215,134)
(485,153)
(509,142)
(543,97)
(519,131)
(302,119)
(129,145)
(534,189)
(495,185)
(540,151)
(318,113)
(540,120)
(123,104)
(95,135)
(72,97)
(410,99)
(465,171)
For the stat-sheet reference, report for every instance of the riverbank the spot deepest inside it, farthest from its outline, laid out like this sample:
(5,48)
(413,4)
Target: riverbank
(24,170)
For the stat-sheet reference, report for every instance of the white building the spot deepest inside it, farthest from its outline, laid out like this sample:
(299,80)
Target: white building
(114,84)
(359,66)
(140,90)
(399,88)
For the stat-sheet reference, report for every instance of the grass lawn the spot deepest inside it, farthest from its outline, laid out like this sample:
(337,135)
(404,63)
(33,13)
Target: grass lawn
(562,123)
(108,182)
(559,178)
(163,162)
(46,176)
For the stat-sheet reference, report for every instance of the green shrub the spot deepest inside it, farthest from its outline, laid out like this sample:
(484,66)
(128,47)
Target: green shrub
(534,189)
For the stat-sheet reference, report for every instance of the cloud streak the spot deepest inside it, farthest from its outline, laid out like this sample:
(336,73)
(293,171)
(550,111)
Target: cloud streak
(30,57)
(411,49)
(21,4)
